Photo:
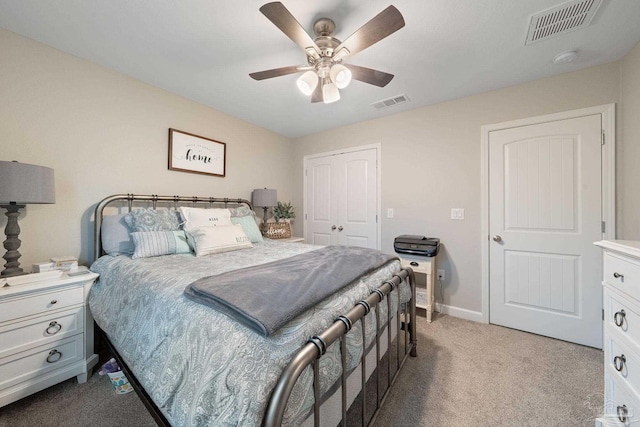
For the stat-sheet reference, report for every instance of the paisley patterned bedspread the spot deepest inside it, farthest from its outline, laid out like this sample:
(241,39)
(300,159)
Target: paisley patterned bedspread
(200,367)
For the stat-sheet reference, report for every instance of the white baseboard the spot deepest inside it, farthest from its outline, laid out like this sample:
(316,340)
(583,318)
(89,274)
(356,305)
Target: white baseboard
(463,313)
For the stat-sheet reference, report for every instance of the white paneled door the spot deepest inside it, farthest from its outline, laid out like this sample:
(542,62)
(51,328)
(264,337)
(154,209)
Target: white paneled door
(545,212)
(342,199)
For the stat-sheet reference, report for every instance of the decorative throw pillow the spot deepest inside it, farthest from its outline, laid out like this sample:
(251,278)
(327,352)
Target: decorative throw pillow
(217,239)
(115,235)
(250,227)
(156,243)
(241,211)
(152,220)
(197,217)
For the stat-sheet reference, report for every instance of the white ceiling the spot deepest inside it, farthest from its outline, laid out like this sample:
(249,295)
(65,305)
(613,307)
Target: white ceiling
(205,50)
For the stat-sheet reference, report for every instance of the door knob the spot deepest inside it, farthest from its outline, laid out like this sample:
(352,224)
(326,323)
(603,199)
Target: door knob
(340,228)
(497,238)
(333,227)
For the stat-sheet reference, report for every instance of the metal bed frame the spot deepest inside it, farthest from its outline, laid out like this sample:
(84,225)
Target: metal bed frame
(316,347)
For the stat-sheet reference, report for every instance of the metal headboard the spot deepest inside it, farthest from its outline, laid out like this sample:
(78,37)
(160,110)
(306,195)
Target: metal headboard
(154,199)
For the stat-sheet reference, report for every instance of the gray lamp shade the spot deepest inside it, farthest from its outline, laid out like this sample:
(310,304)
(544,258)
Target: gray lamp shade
(264,197)
(25,184)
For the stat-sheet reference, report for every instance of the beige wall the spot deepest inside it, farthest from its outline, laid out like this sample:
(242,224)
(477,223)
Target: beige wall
(105,133)
(628,154)
(431,163)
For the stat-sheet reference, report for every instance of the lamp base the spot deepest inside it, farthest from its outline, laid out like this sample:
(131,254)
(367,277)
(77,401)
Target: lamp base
(264,220)
(12,243)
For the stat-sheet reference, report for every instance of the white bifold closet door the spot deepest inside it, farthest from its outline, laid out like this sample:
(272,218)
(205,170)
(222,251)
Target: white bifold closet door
(342,199)
(545,212)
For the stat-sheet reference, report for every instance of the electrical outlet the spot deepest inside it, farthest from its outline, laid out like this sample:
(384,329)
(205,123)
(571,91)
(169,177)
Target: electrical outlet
(390,213)
(441,275)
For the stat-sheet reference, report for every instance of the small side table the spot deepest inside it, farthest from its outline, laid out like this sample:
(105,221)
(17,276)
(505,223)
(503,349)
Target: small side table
(427,266)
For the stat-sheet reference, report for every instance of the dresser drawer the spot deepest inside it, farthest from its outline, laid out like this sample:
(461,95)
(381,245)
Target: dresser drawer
(622,273)
(621,405)
(38,331)
(623,362)
(29,364)
(622,318)
(40,303)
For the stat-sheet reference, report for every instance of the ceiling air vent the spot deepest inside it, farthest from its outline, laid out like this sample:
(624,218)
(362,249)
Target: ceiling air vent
(386,103)
(561,19)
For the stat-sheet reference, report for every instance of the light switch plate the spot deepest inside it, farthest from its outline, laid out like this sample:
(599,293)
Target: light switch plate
(390,213)
(457,213)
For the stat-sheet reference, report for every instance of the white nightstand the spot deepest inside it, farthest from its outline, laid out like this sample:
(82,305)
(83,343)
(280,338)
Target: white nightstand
(427,267)
(46,335)
(292,240)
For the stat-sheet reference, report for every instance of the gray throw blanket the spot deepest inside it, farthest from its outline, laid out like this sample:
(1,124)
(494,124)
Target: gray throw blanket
(267,296)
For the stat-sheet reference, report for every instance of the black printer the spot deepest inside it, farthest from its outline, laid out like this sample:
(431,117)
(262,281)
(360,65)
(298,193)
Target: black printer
(416,245)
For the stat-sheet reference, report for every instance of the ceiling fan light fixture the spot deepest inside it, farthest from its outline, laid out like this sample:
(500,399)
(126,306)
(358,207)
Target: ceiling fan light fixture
(340,75)
(307,82)
(330,93)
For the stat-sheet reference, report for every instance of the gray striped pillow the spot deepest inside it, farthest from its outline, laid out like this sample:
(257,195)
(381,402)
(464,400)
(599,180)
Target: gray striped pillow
(156,243)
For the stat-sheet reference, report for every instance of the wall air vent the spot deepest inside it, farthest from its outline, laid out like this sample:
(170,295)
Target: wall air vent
(386,103)
(561,19)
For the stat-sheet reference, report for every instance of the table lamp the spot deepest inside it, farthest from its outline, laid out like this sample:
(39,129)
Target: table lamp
(266,198)
(21,184)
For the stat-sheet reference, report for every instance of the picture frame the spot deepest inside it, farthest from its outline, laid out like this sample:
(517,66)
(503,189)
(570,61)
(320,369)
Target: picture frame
(196,154)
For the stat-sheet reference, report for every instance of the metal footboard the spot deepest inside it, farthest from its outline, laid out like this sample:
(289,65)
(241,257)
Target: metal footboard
(317,346)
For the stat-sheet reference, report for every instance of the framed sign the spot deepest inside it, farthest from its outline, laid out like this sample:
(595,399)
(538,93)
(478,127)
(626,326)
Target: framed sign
(196,154)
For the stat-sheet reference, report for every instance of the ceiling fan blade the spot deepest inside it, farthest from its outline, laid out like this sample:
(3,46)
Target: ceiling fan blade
(368,75)
(317,95)
(382,25)
(277,72)
(283,19)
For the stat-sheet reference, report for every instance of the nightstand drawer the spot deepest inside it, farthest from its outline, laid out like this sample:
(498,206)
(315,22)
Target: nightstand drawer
(38,331)
(40,303)
(418,266)
(37,361)
(623,274)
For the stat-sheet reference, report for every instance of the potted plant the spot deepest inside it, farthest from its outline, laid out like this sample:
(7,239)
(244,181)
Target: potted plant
(284,211)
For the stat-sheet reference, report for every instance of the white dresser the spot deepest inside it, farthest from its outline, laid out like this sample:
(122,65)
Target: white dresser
(621,283)
(46,335)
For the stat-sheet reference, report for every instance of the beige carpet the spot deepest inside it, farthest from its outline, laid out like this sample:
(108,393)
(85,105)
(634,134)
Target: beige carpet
(466,374)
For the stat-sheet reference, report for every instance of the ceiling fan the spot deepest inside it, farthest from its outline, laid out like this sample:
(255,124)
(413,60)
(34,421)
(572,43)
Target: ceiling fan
(324,73)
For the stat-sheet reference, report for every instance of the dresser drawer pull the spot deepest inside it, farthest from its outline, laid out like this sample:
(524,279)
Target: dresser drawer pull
(618,276)
(623,413)
(54,356)
(619,361)
(54,301)
(618,318)
(56,328)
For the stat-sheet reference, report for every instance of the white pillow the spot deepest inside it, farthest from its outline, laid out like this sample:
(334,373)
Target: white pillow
(197,217)
(217,239)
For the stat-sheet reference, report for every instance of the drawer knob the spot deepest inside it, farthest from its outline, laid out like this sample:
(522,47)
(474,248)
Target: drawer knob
(619,361)
(623,413)
(54,301)
(53,328)
(618,318)
(618,276)
(54,356)
(414,264)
